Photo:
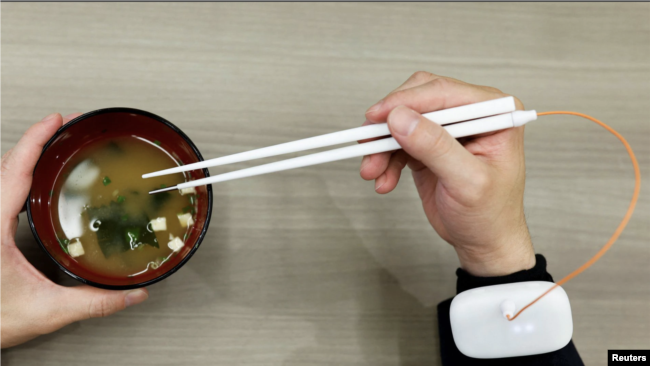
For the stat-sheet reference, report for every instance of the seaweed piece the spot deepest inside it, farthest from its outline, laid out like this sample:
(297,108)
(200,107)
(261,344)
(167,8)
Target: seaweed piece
(114,148)
(120,199)
(118,232)
(159,199)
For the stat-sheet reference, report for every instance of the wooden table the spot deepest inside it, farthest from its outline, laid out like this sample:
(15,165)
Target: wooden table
(311,267)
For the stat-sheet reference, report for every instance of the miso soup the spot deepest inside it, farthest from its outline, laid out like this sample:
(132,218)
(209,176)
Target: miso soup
(103,213)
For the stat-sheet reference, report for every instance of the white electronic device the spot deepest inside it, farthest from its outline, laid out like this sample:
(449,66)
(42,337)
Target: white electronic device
(481,328)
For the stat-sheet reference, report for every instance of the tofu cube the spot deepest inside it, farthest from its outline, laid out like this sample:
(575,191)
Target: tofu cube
(75,249)
(186,219)
(159,224)
(176,244)
(185,191)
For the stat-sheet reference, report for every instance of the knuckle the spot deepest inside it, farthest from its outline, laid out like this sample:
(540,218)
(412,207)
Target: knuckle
(441,83)
(99,307)
(421,76)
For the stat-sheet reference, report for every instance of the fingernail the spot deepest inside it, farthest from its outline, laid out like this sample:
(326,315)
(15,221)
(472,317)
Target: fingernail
(364,162)
(380,181)
(403,121)
(375,107)
(50,118)
(135,297)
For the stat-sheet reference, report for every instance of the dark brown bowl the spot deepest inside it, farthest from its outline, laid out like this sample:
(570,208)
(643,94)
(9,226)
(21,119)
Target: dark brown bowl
(99,125)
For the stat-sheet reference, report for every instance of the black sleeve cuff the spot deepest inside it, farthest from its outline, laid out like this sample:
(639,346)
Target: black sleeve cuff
(451,356)
(538,273)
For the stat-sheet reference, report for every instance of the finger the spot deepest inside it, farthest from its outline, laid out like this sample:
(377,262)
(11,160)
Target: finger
(66,119)
(18,165)
(389,179)
(372,166)
(440,93)
(70,117)
(418,78)
(366,123)
(84,302)
(456,168)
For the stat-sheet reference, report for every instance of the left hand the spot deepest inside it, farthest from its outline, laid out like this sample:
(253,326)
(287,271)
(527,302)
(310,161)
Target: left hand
(33,305)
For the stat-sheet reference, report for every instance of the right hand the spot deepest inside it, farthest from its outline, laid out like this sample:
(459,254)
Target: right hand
(471,189)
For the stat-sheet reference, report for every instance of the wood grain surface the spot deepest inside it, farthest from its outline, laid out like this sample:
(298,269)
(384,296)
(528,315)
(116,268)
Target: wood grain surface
(311,267)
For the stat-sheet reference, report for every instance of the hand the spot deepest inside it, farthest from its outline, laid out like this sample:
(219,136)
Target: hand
(32,304)
(471,189)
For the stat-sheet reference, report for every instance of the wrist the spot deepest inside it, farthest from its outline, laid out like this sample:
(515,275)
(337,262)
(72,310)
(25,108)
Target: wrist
(511,255)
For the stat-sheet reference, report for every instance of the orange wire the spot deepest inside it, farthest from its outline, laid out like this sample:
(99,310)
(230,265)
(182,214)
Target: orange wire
(621,226)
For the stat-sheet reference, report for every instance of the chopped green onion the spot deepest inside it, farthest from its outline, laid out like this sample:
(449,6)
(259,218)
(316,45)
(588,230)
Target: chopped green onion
(106,181)
(187,209)
(163,186)
(185,237)
(51,193)
(157,142)
(64,244)
(120,199)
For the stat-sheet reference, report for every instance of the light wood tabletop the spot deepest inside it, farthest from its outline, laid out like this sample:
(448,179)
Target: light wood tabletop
(311,266)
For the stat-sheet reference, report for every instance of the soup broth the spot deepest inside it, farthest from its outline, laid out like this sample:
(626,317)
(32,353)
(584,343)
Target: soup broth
(103,213)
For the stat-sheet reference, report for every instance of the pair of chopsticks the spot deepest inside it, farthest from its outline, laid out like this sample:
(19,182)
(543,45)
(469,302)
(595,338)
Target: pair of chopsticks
(477,118)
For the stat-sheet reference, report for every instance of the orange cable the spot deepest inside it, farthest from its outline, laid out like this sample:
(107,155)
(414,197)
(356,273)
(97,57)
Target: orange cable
(621,226)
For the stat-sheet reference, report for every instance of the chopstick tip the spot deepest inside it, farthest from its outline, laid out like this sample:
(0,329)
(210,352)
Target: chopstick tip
(163,190)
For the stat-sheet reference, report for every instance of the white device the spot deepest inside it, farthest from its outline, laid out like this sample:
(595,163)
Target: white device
(501,112)
(481,328)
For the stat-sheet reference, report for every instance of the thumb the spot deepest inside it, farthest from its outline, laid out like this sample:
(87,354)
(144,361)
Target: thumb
(84,302)
(428,142)
(18,164)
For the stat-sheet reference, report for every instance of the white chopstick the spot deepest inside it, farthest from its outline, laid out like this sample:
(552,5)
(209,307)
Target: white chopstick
(469,128)
(442,117)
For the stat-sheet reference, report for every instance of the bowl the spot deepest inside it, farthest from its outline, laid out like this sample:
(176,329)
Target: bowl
(86,129)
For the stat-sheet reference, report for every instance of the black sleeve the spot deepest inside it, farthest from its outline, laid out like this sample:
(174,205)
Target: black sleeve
(451,356)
